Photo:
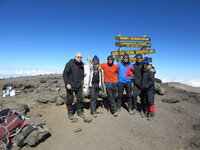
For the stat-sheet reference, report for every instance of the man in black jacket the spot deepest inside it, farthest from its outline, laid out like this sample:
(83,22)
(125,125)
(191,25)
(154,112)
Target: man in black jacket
(137,81)
(73,76)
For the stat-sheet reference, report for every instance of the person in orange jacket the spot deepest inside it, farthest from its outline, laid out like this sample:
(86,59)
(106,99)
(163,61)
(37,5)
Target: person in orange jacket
(111,81)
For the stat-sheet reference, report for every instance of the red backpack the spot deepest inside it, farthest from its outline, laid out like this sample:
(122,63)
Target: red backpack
(11,123)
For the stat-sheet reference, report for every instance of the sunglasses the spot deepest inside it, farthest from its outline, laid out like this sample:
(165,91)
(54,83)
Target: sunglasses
(139,58)
(78,56)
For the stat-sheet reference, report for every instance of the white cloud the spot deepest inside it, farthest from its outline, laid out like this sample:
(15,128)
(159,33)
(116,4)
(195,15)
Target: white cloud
(17,73)
(185,80)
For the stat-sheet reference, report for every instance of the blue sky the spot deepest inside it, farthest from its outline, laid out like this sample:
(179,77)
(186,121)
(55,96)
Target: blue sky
(42,35)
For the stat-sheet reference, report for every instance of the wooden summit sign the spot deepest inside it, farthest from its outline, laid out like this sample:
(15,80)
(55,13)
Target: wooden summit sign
(132,38)
(144,51)
(134,59)
(143,47)
(132,44)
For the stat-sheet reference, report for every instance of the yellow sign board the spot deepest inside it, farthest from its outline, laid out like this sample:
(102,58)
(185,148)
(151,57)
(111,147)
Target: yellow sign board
(134,59)
(132,38)
(145,51)
(131,44)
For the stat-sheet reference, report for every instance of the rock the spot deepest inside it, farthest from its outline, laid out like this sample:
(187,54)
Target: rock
(37,136)
(78,129)
(196,127)
(159,89)
(184,87)
(55,89)
(42,101)
(195,142)
(22,109)
(158,80)
(170,100)
(60,102)
(53,100)
(87,119)
(56,81)
(43,81)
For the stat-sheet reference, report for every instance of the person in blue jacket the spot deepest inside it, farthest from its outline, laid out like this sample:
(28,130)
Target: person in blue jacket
(125,82)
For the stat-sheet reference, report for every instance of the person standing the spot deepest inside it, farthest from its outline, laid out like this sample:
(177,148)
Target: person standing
(95,83)
(137,83)
(125,82)
(148,89)
(110,79)
(73,76)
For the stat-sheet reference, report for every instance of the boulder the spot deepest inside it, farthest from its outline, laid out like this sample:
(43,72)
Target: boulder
(159,89)
(60,102)
(37,136)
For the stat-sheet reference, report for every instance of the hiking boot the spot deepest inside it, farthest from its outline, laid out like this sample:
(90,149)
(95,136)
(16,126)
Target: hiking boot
(150,116)
(116,114)
(134,111)
(94,115)
(81,115)
(130,111)
(70,116)
(143,114)
(87,119)
(119,109)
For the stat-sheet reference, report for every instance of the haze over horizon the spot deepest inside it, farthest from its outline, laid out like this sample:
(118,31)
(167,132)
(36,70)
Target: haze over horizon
(39,37)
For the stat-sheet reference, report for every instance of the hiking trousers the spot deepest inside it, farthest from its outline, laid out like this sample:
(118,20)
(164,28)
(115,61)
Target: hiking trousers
(128,89)
(136,93)
(94,93)
(148,99)
(111,92)
(79,102)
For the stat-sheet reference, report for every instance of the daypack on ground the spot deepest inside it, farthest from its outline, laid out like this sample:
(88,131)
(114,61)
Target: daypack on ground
(11,123)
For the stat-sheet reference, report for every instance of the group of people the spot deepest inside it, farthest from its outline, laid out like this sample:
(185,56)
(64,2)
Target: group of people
(136,79)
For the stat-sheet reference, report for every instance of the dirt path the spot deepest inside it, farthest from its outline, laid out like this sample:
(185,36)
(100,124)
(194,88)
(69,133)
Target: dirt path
(170,129)
(176,126)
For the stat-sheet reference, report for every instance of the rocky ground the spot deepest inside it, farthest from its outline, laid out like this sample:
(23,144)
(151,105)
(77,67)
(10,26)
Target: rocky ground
(41,98)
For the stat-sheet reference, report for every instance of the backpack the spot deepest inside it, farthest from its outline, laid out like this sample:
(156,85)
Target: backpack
(11,123)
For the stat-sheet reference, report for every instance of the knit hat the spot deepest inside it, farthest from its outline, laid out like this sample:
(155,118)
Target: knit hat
(138,55)
(146,60)
(110,57)
(95,57)
(126,55)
